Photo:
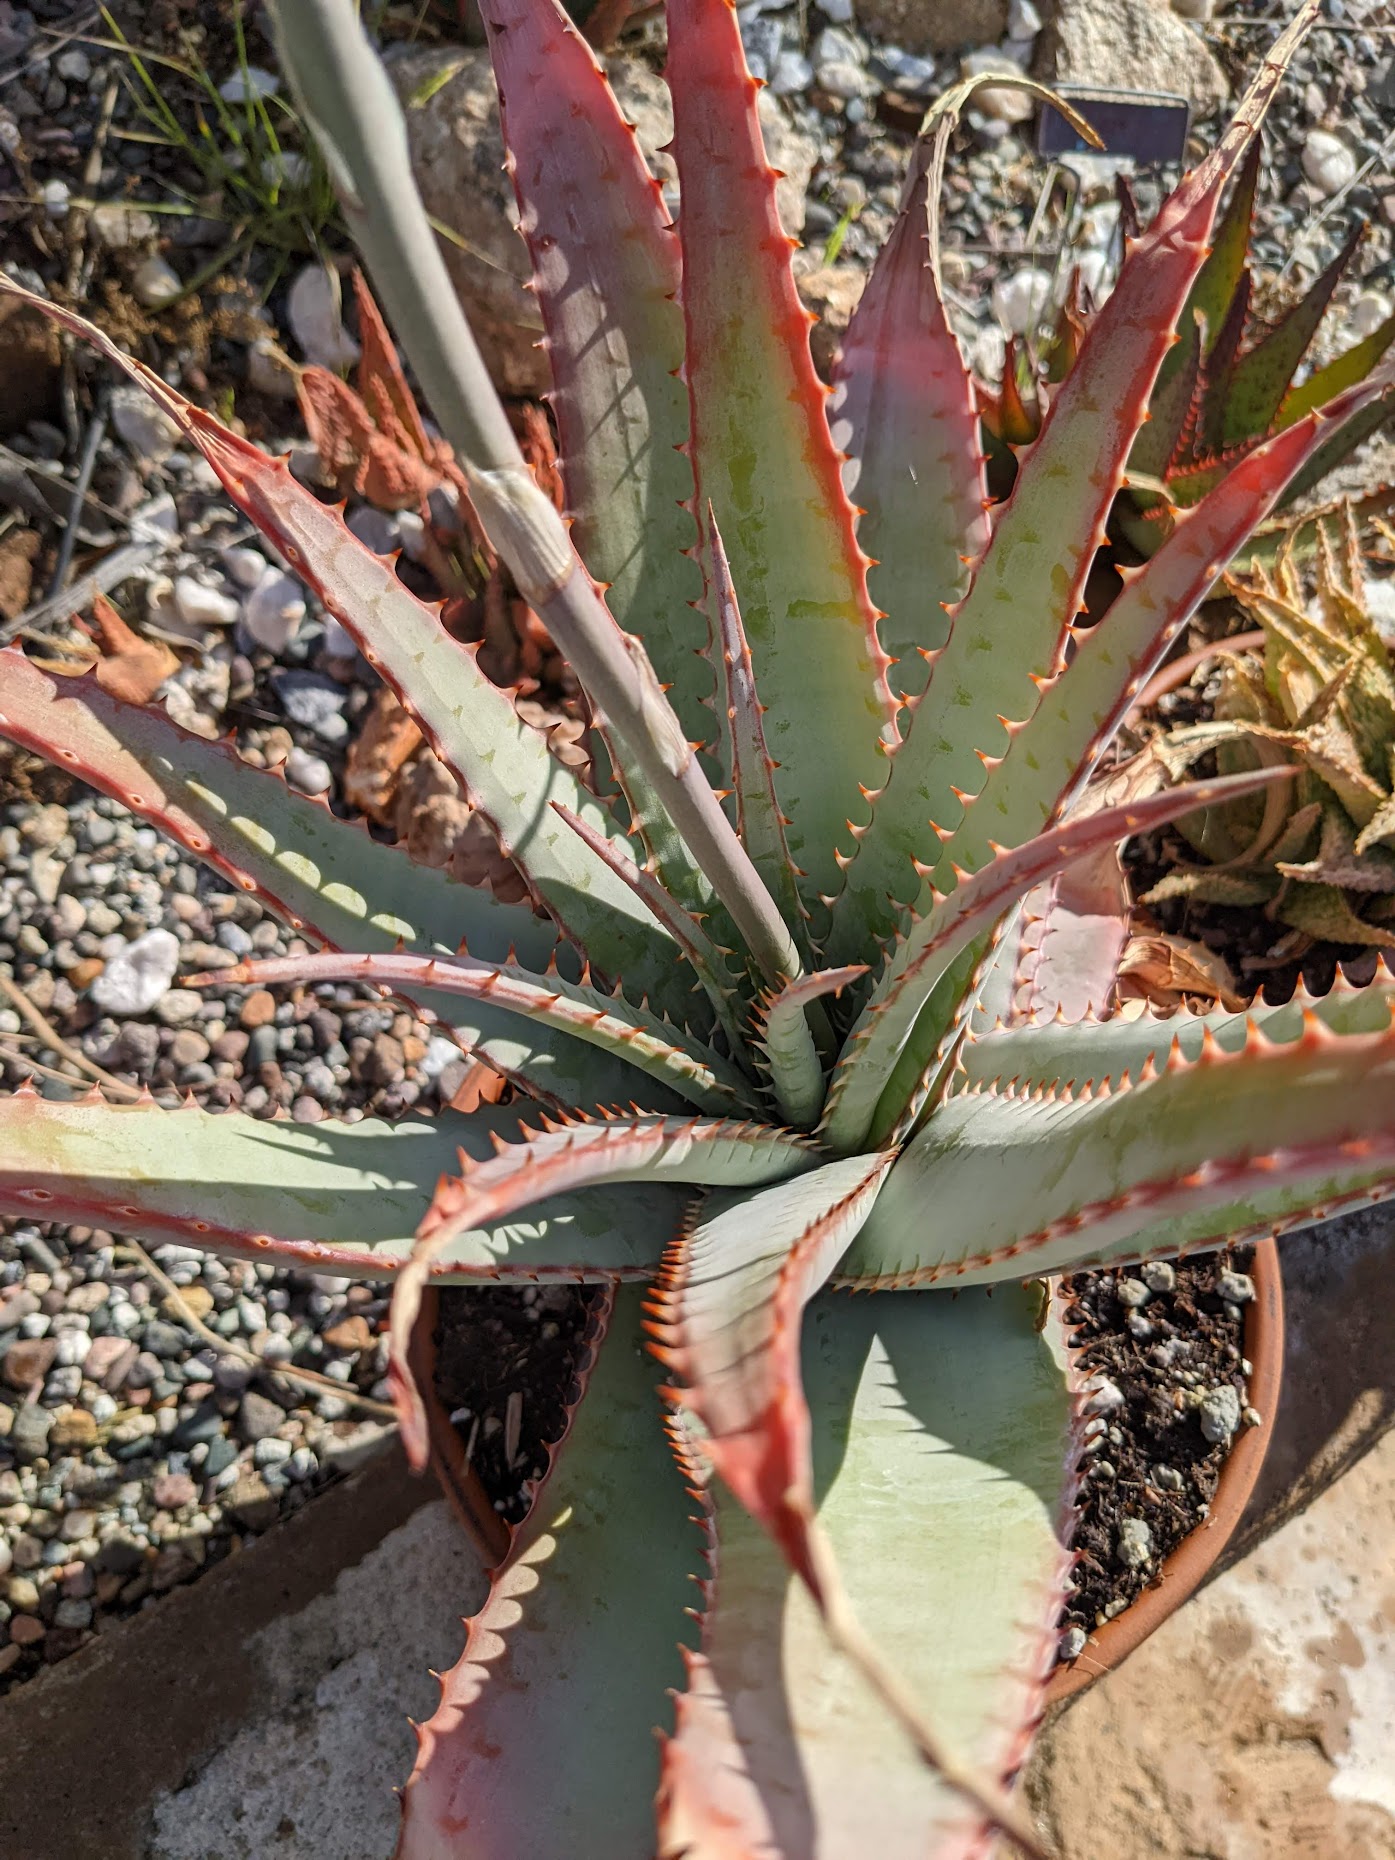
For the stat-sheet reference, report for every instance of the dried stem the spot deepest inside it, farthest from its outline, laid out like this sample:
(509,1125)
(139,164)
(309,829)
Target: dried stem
(55,1041)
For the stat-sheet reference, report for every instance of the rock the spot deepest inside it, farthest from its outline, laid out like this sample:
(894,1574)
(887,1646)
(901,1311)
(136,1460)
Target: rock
(253,1503)
(271,1452)
(1237,1288)
(1368,312)
(1135,1543)
(270,370)
(350,1334)
(311,774)
(28,1361)
(136,976)
(1327,161)
(273,610)
(458,157)
(73,1613)
(258,1010)
(109,1361)
(73,1432)
(314,309)
(26,1631)
(178,1006)
(199,605)
(1133,1294)
(155,283)
(29,1435)
(933,25)
(22,1593)
(172,1491)
(188,1048)
(257,1417)
(1219,1413)
(313,701)
(1159,1276)
(1072,1643)
(249,81)
(1132,44)
(140,423)
(1005,105)
(832,292)
(246,566)
(117,226)
(74,67)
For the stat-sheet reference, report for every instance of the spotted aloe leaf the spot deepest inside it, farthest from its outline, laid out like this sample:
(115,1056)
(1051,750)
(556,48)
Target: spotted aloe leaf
(761,452)
(587,1622)
(940,1440)
(325,1197)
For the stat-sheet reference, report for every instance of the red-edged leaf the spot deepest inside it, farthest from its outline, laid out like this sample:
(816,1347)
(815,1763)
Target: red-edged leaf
(544,1745)
(940,1459)
(1012,626)
(903,410)
(606,265)
(761,451)
(558,1160)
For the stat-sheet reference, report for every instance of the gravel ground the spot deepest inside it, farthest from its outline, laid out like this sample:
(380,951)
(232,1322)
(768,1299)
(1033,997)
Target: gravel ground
(132,1451)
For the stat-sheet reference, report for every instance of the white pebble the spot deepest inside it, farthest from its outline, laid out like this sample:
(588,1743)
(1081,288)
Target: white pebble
(274,609)
(1023,20)
(1072,1643)
(155,284)
(1219,1413)
(1327,161)
(1237,1288)
(56,199)
(249,81)
(1371,309)
(246,566)
(1159,1276)
(1194,9)
(133,980)
(314,309)
(1104,1397)
(147,431)
(311,774)
(837,12)
(200,605)
(339,642)
(1135,1543)
(74,67)
(269,371)
(1021,298)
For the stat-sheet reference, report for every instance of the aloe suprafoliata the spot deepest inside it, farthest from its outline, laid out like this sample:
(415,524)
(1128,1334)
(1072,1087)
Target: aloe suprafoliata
(826,1005)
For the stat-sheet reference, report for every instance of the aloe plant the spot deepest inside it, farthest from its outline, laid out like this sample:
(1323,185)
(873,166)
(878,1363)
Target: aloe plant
(1321,696)
(1228,383)
(825,1560)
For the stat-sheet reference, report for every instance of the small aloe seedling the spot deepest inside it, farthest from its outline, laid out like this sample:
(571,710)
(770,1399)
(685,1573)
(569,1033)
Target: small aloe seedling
(1319,855)
(790,1042)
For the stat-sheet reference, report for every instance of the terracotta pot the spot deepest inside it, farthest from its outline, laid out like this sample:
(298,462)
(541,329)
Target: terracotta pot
(1192,1561)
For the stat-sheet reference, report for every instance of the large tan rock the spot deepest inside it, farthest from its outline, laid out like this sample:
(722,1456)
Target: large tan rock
(933,25)
(458,156)
(1134,44)
(1256,1723)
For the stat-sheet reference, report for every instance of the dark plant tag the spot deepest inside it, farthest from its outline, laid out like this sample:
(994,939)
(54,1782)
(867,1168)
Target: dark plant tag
(1148,125)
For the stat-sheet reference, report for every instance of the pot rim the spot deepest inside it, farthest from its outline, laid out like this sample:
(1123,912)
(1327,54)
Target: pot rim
(1186,1568)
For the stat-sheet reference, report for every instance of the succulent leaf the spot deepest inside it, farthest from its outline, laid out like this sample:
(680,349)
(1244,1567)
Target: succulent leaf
(326,1197)
(588,1623)
(1029,585)
(924,954)
(559,1160)
(939,1442)
(632,1034)
(606,269)
(1189,1154)
(761,452)
(903,412)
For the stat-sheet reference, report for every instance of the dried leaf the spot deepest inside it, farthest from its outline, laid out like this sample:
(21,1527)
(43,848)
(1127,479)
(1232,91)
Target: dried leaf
(130,667)
(373,769)
(1165,969)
